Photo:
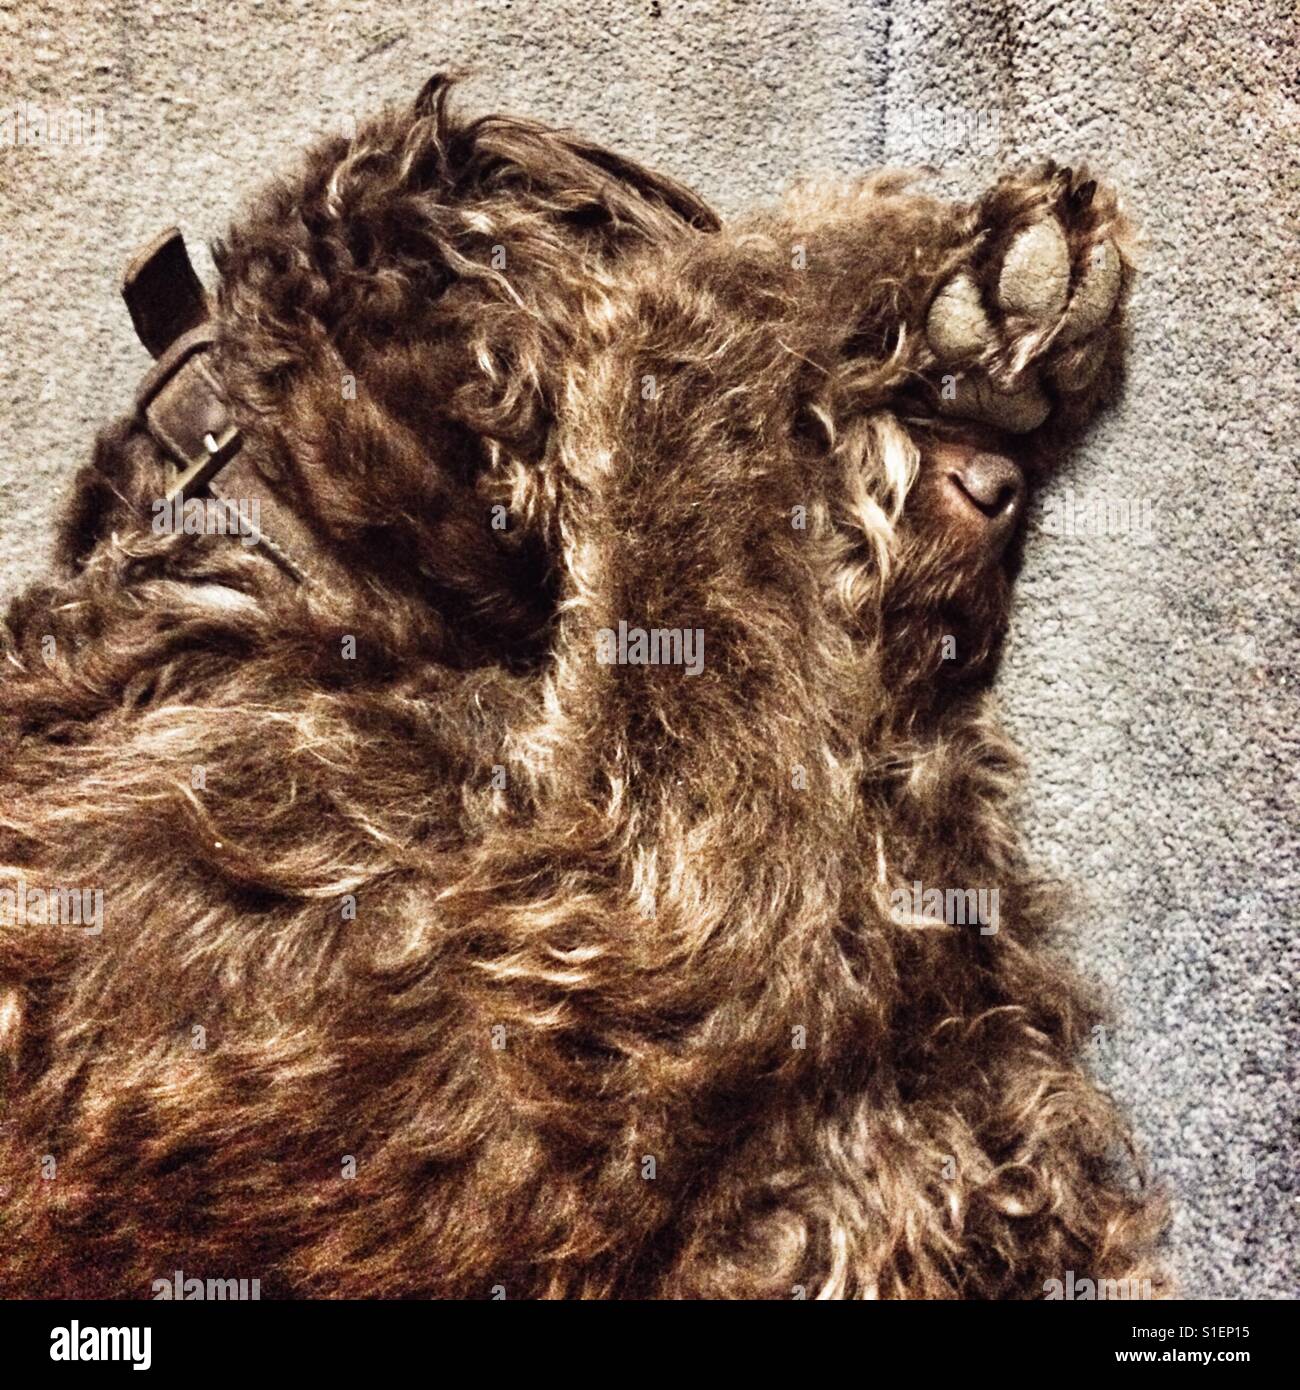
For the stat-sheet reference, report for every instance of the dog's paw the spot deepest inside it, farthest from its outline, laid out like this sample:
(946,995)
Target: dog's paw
(1031,310)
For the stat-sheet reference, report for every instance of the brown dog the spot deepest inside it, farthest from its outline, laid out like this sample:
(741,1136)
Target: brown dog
(588,870)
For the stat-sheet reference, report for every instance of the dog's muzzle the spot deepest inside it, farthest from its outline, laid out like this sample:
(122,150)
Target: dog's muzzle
(985,489)
(974,488)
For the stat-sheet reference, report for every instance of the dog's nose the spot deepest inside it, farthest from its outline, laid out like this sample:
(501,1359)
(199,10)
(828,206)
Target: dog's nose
(993,485)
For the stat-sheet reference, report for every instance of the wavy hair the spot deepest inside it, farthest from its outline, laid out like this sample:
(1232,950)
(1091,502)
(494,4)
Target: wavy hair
(465,960)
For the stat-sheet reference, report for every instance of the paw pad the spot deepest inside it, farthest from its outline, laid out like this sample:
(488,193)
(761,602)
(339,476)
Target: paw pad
(1034,320)
(1016,412)
(1096,295)
(1035,275)
(958,326)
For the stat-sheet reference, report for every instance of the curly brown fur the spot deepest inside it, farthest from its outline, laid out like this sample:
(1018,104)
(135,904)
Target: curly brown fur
(669,934)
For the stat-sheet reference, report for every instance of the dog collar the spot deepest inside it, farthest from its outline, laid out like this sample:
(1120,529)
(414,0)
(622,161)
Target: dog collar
(182,406)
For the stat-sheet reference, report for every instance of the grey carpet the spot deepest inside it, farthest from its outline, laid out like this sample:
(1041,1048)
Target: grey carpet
(1151,678)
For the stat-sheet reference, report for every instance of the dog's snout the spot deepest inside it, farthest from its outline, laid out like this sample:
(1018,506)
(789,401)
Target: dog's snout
(976,488)
(993,484)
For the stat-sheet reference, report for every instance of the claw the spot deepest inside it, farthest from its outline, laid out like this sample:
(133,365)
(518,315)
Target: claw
(1082,196)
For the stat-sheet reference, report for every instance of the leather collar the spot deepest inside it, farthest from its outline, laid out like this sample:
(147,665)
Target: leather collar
(182,405)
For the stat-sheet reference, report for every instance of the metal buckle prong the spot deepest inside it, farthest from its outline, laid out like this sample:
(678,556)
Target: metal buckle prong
(199,472)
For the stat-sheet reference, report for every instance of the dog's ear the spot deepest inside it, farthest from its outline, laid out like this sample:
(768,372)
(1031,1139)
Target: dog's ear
(431,99)
(104,496)
(626,176)
(87,517)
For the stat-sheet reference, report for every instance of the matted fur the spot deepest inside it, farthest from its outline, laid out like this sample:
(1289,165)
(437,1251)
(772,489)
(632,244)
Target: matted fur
(604,914)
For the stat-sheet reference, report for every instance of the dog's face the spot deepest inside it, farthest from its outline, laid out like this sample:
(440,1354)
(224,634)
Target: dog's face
(1018,347)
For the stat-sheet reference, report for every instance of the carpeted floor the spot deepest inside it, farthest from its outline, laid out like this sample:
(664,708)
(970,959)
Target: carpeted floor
(1152,674)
